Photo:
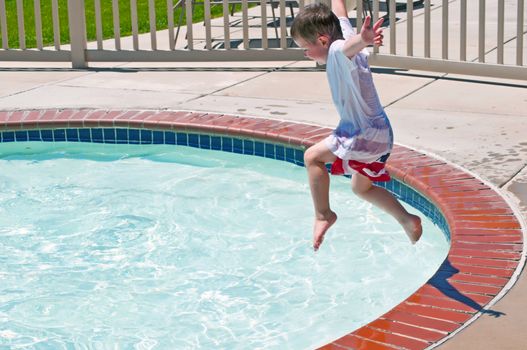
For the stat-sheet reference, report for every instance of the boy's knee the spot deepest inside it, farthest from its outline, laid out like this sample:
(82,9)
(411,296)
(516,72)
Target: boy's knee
(318,154)
(310,156)
(359,189)
(356,189)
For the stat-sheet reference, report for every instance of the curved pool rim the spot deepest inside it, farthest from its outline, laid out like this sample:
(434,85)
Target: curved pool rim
(486,232)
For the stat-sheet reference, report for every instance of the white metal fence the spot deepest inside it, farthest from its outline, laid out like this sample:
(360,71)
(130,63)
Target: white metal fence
(455,36)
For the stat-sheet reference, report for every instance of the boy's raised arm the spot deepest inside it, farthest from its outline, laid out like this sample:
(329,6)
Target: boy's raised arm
(339,8)
(368,35)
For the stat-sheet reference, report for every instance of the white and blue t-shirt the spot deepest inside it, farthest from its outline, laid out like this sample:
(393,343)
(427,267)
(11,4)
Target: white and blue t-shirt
(364,133)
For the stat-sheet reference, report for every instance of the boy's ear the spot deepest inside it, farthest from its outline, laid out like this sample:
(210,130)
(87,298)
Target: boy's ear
(323,40)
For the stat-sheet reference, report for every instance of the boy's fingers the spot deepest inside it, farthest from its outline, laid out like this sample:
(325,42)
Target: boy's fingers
(378,24)
(378,39)
(367,22)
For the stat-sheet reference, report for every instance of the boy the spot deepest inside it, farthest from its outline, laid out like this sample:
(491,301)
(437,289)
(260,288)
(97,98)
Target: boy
(361,143)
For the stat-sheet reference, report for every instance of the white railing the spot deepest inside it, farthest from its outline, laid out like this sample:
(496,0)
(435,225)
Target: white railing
(454,36)
(457,36)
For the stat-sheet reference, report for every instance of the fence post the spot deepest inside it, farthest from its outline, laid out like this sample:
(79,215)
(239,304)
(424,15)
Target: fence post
(77,35)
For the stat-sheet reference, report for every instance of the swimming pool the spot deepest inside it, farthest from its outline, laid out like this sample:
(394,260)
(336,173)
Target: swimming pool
(485,235)
(176,247)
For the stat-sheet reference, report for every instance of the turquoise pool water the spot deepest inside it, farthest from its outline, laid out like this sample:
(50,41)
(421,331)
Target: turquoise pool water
(163,247)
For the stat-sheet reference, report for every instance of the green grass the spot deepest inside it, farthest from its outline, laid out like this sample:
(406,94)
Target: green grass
(106,14)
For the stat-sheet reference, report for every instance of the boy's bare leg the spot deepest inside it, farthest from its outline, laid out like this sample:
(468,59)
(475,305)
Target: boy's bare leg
(315,160)
(363,187)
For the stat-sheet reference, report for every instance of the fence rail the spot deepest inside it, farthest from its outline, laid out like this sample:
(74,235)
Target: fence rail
(454,36)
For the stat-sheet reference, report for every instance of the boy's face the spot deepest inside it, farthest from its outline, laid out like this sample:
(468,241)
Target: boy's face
(317,51)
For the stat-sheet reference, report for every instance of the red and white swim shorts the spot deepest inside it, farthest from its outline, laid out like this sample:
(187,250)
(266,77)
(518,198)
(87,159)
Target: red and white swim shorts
(375,171)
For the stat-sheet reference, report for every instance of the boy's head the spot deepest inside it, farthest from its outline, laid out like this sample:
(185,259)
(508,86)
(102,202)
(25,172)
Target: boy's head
(314,29)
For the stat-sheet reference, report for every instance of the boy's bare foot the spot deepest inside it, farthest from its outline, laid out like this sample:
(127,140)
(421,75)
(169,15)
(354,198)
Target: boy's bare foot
(320,228)
(413,228)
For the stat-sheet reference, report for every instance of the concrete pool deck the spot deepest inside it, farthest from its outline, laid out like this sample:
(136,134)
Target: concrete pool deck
(477,123)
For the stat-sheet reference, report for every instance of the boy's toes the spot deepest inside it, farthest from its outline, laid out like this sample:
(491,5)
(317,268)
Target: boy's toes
(318,241)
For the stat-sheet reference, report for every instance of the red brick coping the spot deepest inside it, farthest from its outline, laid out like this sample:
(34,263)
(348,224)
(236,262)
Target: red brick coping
(486,236)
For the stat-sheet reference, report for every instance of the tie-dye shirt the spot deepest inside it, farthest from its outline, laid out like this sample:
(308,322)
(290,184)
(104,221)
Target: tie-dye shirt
(364,133)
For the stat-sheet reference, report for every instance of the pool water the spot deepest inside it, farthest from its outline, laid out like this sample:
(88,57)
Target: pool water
(165,247)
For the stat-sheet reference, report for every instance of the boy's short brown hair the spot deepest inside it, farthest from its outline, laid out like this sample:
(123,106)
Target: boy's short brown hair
(315,20)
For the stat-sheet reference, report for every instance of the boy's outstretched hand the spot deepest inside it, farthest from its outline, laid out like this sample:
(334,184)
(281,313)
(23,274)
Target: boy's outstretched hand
(372,35)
